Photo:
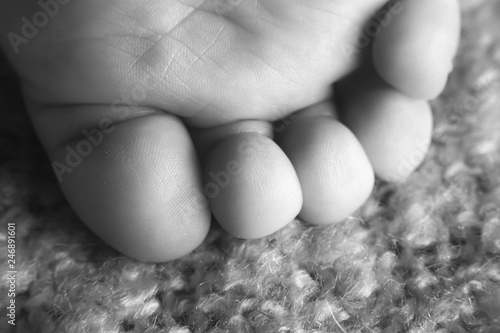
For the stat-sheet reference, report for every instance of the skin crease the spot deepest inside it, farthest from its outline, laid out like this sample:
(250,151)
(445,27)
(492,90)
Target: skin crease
(156,96)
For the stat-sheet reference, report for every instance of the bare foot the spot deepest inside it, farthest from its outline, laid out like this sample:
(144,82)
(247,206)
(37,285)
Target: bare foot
(120,91)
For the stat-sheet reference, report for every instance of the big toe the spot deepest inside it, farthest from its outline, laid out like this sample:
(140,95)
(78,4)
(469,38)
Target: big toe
(135,183)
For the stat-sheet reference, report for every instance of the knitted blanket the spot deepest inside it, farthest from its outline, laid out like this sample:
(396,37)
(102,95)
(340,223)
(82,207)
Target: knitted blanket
(419,256)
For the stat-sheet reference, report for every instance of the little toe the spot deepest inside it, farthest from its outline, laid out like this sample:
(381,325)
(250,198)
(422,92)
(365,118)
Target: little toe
(415,48)
(334,173)
(395,130)
(251,184)
(135,183)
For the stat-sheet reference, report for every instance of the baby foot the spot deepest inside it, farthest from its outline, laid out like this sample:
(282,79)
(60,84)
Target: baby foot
(127,96)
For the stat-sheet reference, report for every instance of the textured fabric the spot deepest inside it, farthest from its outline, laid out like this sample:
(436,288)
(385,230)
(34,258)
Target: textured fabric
(420,256)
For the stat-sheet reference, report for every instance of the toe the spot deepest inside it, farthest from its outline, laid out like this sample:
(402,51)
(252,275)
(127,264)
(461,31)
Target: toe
(394,129)
(251,184)
(415,49)
(333,170)
(136,183)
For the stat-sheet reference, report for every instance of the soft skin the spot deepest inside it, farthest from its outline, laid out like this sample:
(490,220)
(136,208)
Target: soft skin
(139,103)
